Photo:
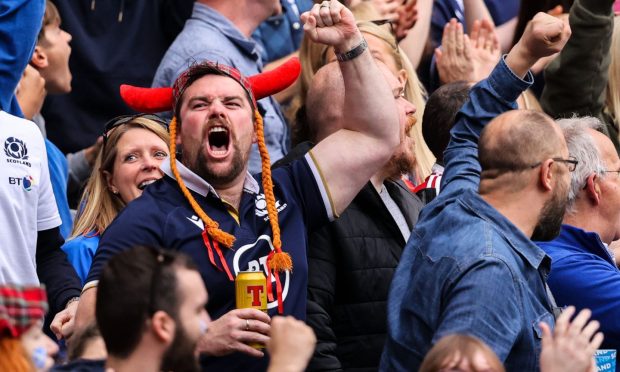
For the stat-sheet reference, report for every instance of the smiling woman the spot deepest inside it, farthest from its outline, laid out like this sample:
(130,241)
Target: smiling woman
(133,149)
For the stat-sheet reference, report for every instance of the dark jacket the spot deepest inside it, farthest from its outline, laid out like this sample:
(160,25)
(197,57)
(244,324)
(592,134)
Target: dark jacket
(351,262)
(576,81)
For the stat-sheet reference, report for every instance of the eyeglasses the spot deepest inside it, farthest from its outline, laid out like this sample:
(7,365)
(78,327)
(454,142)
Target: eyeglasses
(617,172)
(571,163)
(163,259)
(124,119)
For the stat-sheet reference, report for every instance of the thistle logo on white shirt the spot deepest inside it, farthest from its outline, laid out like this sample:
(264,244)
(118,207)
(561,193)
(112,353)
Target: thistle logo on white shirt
(16,151)
(261,206)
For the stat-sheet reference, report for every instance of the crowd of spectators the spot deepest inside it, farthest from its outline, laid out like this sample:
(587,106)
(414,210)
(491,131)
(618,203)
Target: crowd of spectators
(427,185)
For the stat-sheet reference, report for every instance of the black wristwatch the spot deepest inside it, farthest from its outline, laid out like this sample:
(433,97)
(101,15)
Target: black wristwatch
(353,53)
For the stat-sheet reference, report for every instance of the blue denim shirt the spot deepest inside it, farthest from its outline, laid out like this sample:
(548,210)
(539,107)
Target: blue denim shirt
(208,35)
(466,268)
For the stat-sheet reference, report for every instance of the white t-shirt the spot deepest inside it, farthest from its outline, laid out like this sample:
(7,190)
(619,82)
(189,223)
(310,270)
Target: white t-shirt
(27,203)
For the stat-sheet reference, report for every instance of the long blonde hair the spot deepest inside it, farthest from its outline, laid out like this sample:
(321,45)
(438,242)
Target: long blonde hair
(612,100)
(99,205)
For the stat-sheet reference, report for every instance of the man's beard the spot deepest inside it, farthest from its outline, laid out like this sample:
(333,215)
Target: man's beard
(402,163)
(550,220)
(181,356)
(201,168)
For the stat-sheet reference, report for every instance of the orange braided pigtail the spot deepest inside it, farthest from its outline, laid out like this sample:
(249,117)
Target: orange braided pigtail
(211,226)
(280,261)
(13,356)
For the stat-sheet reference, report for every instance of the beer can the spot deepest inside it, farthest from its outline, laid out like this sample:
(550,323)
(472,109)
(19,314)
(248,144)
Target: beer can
(251,292)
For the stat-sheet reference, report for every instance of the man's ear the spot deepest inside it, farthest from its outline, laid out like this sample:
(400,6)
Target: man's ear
(39,58)
(163,327)
(546,175)
(593,190)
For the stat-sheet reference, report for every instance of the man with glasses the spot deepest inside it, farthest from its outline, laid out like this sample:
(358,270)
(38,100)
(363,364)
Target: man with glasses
(470,266)
(584,272)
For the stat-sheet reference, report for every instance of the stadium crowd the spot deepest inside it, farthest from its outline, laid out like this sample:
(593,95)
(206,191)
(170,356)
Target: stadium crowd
(425,185)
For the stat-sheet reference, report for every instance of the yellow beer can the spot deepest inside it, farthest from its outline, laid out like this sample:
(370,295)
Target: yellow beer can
(251,292)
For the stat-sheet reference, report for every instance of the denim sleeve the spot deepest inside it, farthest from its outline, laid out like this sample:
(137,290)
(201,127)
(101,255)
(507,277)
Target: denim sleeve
(487,100)
(481,304)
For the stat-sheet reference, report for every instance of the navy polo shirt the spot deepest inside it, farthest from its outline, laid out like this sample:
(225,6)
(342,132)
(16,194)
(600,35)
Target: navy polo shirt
(163,217)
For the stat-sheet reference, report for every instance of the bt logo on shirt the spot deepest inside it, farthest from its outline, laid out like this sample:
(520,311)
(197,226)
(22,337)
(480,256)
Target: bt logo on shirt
(26,182)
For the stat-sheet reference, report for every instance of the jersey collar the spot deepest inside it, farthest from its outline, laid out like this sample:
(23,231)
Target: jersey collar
(195,183)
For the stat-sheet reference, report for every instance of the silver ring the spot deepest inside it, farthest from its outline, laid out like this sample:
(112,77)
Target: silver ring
(247,325)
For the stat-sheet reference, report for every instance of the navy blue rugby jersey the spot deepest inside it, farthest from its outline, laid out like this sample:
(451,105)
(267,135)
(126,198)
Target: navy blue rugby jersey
(163,217)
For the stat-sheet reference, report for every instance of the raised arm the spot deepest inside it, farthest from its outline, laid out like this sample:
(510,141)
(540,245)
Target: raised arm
(543,36)
(348,158)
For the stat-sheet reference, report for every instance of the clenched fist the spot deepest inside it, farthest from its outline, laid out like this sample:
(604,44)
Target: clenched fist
(544,35)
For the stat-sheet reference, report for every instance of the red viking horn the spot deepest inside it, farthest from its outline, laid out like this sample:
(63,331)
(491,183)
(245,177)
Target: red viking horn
(152,100)
(271,82)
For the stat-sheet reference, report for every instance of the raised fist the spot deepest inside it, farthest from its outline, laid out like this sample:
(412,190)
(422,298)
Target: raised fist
(544,35)
(331,23)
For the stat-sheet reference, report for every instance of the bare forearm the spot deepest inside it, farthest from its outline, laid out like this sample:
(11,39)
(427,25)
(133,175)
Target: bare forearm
(475,9)
(85,314)
(369,104)
(414,43)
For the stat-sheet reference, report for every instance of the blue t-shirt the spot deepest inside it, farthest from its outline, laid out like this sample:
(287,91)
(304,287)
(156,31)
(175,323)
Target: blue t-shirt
(59,175)
(80,252)
(162,217)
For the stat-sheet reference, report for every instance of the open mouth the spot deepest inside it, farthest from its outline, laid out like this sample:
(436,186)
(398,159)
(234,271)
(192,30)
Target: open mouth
(144,184)
(219,141)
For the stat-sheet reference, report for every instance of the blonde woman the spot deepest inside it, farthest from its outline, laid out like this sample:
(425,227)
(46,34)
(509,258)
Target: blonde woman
(382,43)
(133,148)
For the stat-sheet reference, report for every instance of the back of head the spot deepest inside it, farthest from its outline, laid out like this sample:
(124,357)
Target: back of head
(325,102)
(133,286)
(516,140)
(450,351)
(582,146)
(440,114)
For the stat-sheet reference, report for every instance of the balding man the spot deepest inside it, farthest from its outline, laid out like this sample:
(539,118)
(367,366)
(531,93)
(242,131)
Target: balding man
(470,266)
(584,273)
